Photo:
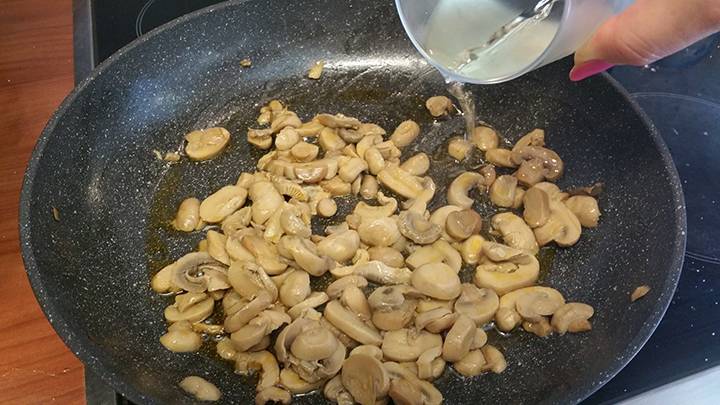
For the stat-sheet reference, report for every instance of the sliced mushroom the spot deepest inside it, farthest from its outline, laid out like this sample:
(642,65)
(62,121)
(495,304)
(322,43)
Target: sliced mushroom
(459,148)
(248,279)
(198,272)
(292,381)
(207,143)
(471,249)
(247,311)
(418,229)
(162,280)
(471,364)
(459,339)
(263,361)
(460,225)
(540,328)
(406,388)
(329,140)
(304,152)
(515,232)
(368,187)
(336,392)
(336,288)
(305,254)
(266,200)
(504,277)
(407,344)
(417,165)
(536,137)
(236,222)
(562,227)
(265,253)
(400,181)
(435,320)
(507,316)
(426,360)
(551,162)
(533,306)
(379,231)
(284,118)
(314,300)
(502,191)
(585,209)
(337,121)
(200,388)
(365,378)
(222,203)
(494,359)
(353,298)
(295,288)
(478,304)
(390,308)
(180,338)
(187,218)
(436,280)
(405,133)
(387,255)
(639,292)
(350,324)
(572,317)
(380,273)
(500,157)
(438,106)
(340,246)
(459,188)
(262,138)
(536,203)
(485,138)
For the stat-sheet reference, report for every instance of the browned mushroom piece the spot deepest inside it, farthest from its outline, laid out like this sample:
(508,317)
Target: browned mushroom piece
(365,378)
(572,317)
(552,165)
(439,106)
(585,209)
(462,224)
(639,292)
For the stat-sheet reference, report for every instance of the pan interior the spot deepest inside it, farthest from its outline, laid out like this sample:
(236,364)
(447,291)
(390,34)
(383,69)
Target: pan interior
(95,165)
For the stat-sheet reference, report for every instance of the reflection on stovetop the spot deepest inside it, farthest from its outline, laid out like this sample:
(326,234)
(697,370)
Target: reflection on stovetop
(680,94)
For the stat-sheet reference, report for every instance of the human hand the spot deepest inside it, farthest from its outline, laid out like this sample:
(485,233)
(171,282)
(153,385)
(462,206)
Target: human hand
(645,32)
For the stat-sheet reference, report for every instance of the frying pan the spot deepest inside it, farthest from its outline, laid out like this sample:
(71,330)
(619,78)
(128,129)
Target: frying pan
(94,163)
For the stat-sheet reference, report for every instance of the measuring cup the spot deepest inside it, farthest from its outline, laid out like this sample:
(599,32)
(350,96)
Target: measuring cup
(493,41)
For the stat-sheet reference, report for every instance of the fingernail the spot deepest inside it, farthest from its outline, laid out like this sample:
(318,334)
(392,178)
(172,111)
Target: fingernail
(588,69)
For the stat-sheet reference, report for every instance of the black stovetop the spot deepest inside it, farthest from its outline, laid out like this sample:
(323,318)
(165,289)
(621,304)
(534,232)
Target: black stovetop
(681,94)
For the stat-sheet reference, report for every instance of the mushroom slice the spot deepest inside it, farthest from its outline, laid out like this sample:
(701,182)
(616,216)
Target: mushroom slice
(535,305)
(435,320)
(485,138)
(162,280)
(340,246)
(406,388)
(284,118)
(639,292)
(562,226)
(337,121)
(460,225)
(200,388)
(248,279)
(536,203)
(379,272)
(368,212)
(369,350)
(536,137)
(478,304)
(192,307)
(540,328)
(425,362)
(417,165)
(390,308)
(265,362)
(315,299)
(265,253)
(305,254)
(336,288)
(247,312)
(292,381)
(187,218)
(500,157)
(507,316)
(206,144)
(314,344)
(551,163)
(494,359)
(262,138)
(459,339)
(198,272)
(459,148)
(457,193)
(436,280)
(381,232)
(439,217)
(438,106)
(498,252)
(222,203)
(266,200)
(504,277)
(572,317)
(471,249)
(351,324)
(336,392)
(365,378)
(407,344)
(502,191)
(387,255)
(400,181)
(471,364)
(585,209)
(274,395)
(418,229)
(405,133)
(236,222)
(180,338)
(515,232)
(295,288)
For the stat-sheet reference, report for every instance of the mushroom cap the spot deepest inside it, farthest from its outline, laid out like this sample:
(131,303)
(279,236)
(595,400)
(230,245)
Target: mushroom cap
(536,203)
(552,164)
(197,271)
(314,344)
(572,316)
(462,224)
(407,344)
(478,304)
(457,193)
(506,276)
(415,227)
(365,378)
(436,280)
(515,232)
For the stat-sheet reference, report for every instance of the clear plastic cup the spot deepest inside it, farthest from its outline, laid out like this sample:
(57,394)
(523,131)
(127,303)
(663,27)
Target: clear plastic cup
(493,41)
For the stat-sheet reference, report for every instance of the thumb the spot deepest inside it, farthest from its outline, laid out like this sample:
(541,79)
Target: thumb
(645,32)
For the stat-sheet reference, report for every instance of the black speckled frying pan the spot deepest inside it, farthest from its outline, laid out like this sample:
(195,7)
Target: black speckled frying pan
(94,164)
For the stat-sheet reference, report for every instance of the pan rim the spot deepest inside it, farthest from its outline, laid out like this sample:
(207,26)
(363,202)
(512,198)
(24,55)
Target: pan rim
(84,348)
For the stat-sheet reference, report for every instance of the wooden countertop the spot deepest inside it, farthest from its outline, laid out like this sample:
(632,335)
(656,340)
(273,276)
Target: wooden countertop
(36,73)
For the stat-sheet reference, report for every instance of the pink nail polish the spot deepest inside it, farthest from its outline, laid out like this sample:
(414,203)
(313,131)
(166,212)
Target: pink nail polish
(588,69)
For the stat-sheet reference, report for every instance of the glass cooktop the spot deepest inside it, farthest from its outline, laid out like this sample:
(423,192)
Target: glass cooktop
(681,94)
